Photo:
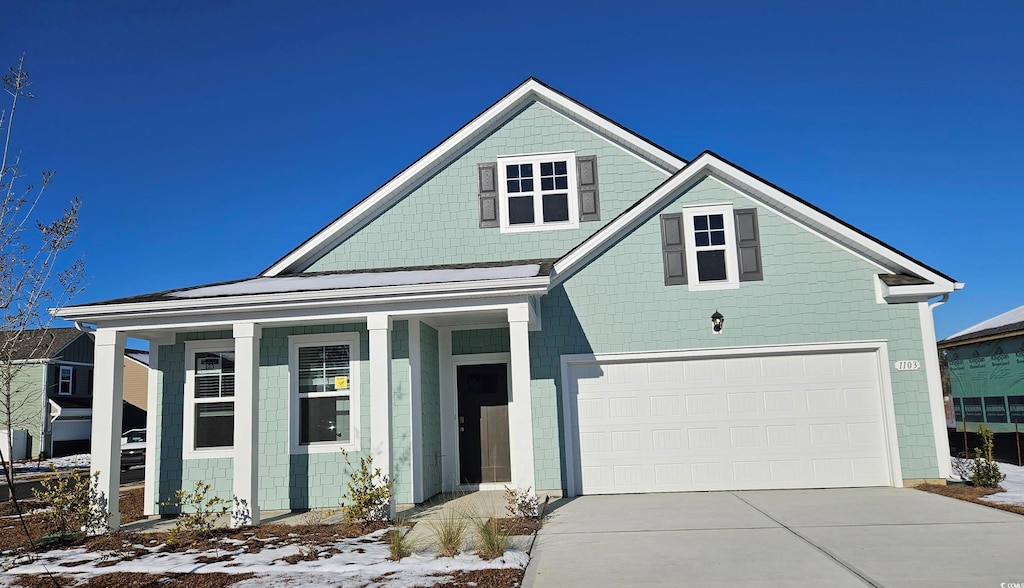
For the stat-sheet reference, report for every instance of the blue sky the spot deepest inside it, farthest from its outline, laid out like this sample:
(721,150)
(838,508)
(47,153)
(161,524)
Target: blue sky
(207,139)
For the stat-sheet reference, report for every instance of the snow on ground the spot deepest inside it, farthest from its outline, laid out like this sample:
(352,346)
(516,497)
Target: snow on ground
(82,460)
(1013,484)
(361,561)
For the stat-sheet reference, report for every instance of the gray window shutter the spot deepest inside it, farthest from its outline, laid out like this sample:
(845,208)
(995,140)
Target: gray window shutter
(487,173)
(748,245)
(672,249)
(586,178)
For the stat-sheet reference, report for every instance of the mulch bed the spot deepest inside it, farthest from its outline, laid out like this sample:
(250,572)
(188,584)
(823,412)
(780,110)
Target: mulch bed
(971,494)
(493,578)
(12,536)
(517,526)
(134,580)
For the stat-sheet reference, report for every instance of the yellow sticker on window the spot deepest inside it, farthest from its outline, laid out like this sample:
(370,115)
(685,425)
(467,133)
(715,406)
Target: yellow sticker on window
(341,383)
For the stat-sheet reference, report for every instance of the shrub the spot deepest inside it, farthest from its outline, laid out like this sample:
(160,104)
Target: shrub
(76,503)
(369,493)
(522,504)
(492,540)
(399,543)
(986,470)
(197,512)
(449,532)
(963,465)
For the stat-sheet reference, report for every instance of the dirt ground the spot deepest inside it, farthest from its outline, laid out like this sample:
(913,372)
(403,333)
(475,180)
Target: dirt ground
(970,494)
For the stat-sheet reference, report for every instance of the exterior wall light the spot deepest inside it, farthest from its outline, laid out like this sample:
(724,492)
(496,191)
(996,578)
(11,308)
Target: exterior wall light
(717,320)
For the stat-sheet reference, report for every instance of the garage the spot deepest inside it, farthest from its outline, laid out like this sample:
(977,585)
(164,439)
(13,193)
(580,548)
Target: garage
(794,417)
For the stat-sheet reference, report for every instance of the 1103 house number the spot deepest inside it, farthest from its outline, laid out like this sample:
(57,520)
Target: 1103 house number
(908,365)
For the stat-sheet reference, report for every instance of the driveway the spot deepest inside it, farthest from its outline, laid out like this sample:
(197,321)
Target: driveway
(845,537)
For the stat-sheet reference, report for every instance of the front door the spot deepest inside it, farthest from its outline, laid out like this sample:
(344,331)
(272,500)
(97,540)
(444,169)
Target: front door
(483,424)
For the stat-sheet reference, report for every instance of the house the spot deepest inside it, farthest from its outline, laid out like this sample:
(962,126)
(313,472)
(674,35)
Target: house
(547,300)
(52,389)
(986,369)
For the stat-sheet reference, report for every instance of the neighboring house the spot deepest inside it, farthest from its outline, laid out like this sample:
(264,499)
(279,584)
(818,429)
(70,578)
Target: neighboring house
(548,300)
(986,369)
(52,389)
(60,361)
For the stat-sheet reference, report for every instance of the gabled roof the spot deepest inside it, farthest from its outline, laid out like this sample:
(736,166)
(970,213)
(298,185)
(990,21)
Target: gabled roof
(530,91)
(929,282)
(1008,324)
(38,343)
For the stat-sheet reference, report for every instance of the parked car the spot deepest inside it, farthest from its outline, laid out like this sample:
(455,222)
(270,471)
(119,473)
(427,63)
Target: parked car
(133,448)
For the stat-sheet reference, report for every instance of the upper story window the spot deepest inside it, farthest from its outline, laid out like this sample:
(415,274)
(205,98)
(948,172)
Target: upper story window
(66,384)
(538,192)
(209,417)
(710,249)
(324,392)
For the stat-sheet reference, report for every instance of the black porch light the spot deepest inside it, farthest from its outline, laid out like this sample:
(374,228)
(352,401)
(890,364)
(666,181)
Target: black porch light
(717,320)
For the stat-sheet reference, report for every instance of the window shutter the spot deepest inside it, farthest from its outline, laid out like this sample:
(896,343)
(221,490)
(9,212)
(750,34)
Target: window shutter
(748,245)
(586,178)
(487,174)
(672,248)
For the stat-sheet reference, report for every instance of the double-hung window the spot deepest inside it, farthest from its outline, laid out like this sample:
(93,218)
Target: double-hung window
(710,235)
(538,192)
(209,417)
(324,392)
(66,384)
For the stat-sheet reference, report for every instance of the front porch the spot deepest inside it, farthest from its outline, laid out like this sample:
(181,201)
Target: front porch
(398,401)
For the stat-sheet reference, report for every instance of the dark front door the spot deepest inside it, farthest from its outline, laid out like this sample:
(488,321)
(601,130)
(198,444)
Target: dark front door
(483,424)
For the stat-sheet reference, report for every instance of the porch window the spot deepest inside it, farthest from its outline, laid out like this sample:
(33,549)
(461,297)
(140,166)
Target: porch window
(324,377)
(209,399)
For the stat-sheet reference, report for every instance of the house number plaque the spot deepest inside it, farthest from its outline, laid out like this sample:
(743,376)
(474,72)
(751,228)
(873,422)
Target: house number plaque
(908,365)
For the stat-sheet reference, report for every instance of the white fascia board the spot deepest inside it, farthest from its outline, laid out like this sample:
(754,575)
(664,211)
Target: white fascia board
(915,292)
(299,298)
(709,165)
(452,148)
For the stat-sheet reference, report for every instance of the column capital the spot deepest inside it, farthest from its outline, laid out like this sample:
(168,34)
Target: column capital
(110,337)
(245,330)
(378,321)
(519,313)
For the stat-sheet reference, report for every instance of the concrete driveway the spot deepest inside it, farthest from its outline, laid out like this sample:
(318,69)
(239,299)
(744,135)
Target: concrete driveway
(847,537)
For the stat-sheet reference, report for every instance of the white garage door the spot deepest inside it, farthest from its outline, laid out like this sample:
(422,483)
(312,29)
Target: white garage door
(734,423)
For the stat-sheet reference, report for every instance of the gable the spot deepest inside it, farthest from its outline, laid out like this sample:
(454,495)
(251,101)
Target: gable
(438,222)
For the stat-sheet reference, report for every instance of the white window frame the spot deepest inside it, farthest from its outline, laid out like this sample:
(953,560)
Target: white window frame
(188,437)
(538,201)
(732,273)
(70,371)
(294,343)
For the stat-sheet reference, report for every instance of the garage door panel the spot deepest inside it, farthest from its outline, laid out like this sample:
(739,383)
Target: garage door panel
(738,423)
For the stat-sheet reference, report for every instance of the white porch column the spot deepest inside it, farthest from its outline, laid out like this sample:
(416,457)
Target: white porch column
(246,485)
(154,396)
(416,410)
(108,394)
(520,407)
(379,326)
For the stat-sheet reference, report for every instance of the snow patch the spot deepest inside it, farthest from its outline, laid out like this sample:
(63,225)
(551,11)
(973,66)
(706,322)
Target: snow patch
(1013,484)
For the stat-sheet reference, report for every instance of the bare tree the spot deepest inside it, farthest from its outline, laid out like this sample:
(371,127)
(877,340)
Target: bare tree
(34,274)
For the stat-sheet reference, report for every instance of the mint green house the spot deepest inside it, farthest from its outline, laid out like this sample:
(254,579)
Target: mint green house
(986,373)
(545,300)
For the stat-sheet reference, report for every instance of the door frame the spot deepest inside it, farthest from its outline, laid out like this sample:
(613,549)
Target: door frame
(452,416)
(570,410)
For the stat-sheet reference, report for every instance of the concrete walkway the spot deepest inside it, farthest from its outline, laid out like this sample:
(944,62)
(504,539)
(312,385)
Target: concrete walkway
(847,537)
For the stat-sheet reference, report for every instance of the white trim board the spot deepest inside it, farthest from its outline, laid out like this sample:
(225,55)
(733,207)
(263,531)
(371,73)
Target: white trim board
(570,413)
(531,90)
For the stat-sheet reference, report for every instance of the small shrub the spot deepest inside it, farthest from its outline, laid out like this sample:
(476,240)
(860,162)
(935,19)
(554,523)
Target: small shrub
(399,543)
(986,470)
(317,518)
(197,512)
(449,533)
(76,503)
(241,514)
(369,493)
(492,540)
(963,466)
(522,504)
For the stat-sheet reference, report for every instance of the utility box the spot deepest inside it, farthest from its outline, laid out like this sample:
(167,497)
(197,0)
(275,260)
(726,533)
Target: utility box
(20,445)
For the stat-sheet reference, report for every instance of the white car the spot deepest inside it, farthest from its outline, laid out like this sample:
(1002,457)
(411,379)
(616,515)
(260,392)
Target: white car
(133,448)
